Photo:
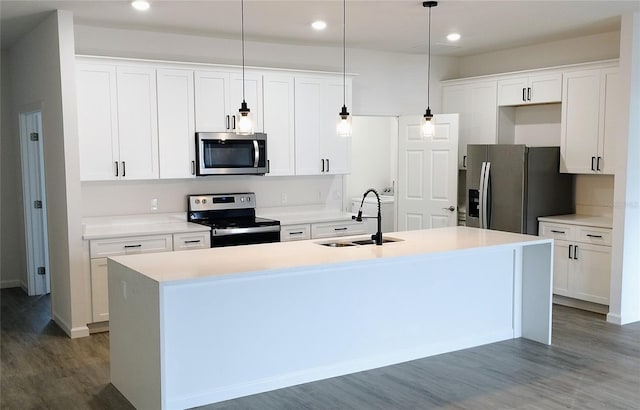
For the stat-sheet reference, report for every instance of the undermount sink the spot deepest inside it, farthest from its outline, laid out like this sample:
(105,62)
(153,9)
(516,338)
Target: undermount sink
(358,242)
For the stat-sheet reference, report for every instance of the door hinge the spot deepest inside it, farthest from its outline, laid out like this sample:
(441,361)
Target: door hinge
(41,270)
(37,204)
(34,136)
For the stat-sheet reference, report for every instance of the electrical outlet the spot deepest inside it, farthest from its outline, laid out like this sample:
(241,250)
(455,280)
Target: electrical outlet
(154,204)
(283,198)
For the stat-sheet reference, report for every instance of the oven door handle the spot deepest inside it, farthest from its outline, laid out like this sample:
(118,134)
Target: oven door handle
(256,154)
(236,231)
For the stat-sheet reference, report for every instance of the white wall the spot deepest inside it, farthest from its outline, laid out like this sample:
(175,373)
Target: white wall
(624,306)
(134,197)
(572,51)
(43,74)
(374,141)
(594,195)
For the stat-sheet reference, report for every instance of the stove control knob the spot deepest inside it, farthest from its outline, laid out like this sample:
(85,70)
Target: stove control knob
(241,199)
(248,199)
(204,201)
(197,201)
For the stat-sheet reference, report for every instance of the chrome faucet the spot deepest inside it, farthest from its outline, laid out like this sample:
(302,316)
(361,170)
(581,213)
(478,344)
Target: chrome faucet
(378,235)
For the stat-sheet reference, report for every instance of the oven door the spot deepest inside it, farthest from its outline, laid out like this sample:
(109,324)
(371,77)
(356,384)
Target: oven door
(244,236)
(221,153)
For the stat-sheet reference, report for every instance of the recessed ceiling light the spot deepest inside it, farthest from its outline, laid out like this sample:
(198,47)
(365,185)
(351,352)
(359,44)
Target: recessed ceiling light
(319,25)
(140,5)
(453,37)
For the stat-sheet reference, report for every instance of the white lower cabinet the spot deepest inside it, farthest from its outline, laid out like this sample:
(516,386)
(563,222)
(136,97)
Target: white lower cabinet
(582,261)
(341,228)
(100,249)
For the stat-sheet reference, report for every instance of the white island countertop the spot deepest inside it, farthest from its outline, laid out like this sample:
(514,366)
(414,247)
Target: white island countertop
(576,219)
(202,263)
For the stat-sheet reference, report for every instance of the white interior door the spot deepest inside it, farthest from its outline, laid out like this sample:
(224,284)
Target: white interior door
(35,204)
(427,174)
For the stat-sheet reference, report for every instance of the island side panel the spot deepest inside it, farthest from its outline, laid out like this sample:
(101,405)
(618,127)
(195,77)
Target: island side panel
(244,334)
(537,292)
(134,336)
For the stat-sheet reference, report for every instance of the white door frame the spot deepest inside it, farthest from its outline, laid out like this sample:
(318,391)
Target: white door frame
(33,188)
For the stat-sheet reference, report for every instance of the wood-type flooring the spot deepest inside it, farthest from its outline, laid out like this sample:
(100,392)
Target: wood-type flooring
(591,364)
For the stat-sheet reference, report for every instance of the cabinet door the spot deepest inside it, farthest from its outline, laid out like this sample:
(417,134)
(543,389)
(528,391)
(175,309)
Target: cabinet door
(97,121)
(252,95)
(513,91)
(278,110)
(99,290)
(299,232)
(610,119)
(545,88)
(561,266)
(591,279)
(336,150)
(333,229)
(138,122)
(579,126)
(176,124)
(308,110)
(192,240)
(212,99)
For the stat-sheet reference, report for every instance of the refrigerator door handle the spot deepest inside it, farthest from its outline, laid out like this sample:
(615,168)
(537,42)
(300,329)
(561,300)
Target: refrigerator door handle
(485,196)
(480,196)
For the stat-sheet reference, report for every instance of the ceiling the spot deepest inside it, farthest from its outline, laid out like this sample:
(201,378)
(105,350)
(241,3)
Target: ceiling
(398,25)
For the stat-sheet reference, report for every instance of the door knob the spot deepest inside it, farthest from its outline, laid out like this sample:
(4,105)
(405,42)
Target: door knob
(451,208)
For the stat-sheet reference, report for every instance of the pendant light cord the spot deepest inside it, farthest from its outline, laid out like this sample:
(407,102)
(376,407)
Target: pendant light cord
(344,53)
(429,62)
(242,30)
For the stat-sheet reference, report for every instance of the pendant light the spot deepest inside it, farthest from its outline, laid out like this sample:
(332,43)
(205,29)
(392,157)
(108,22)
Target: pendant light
(344,119)
(245,124)
(428,124)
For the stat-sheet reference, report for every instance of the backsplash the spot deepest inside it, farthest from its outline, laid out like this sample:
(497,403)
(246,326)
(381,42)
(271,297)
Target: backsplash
(594,195)
(136,197)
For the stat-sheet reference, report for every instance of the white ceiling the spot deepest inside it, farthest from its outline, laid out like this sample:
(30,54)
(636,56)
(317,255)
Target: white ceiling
(398,25)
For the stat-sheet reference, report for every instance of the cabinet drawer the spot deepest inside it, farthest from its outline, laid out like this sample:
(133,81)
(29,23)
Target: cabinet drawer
(295,232)
(331,229)
(127,246)
(596,236)
(195,240)
(556,231)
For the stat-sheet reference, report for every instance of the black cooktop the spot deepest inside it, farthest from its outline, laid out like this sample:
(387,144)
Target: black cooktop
(243,222)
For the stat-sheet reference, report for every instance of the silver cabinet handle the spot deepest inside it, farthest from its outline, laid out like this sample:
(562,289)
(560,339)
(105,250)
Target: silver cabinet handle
(594,236)
(116,162)
(575,252)
(124,169)
(570,249)
(340,229)
(234,122)
(296,233)
(322,164)
(193,241)
(228,124)
(598,164)
(464,161)
(327,164)
(529,94)
(524,97)
(593,167)
(133,246)
(554,231)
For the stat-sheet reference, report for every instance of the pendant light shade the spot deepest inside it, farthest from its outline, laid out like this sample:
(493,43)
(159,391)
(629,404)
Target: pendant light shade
(245,123)
(428,123)
(343,127)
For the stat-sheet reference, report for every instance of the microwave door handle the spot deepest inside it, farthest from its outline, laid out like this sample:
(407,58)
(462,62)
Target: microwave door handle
(256,154)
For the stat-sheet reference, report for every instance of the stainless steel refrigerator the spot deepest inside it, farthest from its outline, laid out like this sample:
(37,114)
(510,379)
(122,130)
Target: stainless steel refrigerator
(510,186)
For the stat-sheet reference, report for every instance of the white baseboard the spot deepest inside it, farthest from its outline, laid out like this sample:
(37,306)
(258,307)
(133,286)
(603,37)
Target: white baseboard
(79,331)
(14,283)
(614,318)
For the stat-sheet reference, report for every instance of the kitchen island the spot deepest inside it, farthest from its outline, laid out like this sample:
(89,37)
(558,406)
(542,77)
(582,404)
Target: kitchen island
(196,327)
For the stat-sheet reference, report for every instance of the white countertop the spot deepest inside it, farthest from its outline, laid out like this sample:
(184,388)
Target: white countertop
(202,263)
(305,217)
(574,219)
(138,225)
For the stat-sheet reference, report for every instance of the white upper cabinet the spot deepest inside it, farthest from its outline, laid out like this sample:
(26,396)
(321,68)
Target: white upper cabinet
(475,101)
(530,89)
(97,121)
(218,96)
(590,127)
(278,97)
(176,123)
(319,150)
(137,122)
(117,122)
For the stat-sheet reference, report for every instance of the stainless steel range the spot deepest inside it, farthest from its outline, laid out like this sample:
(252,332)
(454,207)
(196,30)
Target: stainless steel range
(232,218)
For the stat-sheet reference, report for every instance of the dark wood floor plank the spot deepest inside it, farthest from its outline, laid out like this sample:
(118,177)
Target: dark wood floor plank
(591,365)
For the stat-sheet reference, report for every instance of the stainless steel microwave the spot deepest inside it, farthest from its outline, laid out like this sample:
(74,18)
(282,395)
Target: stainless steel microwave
(228,153)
